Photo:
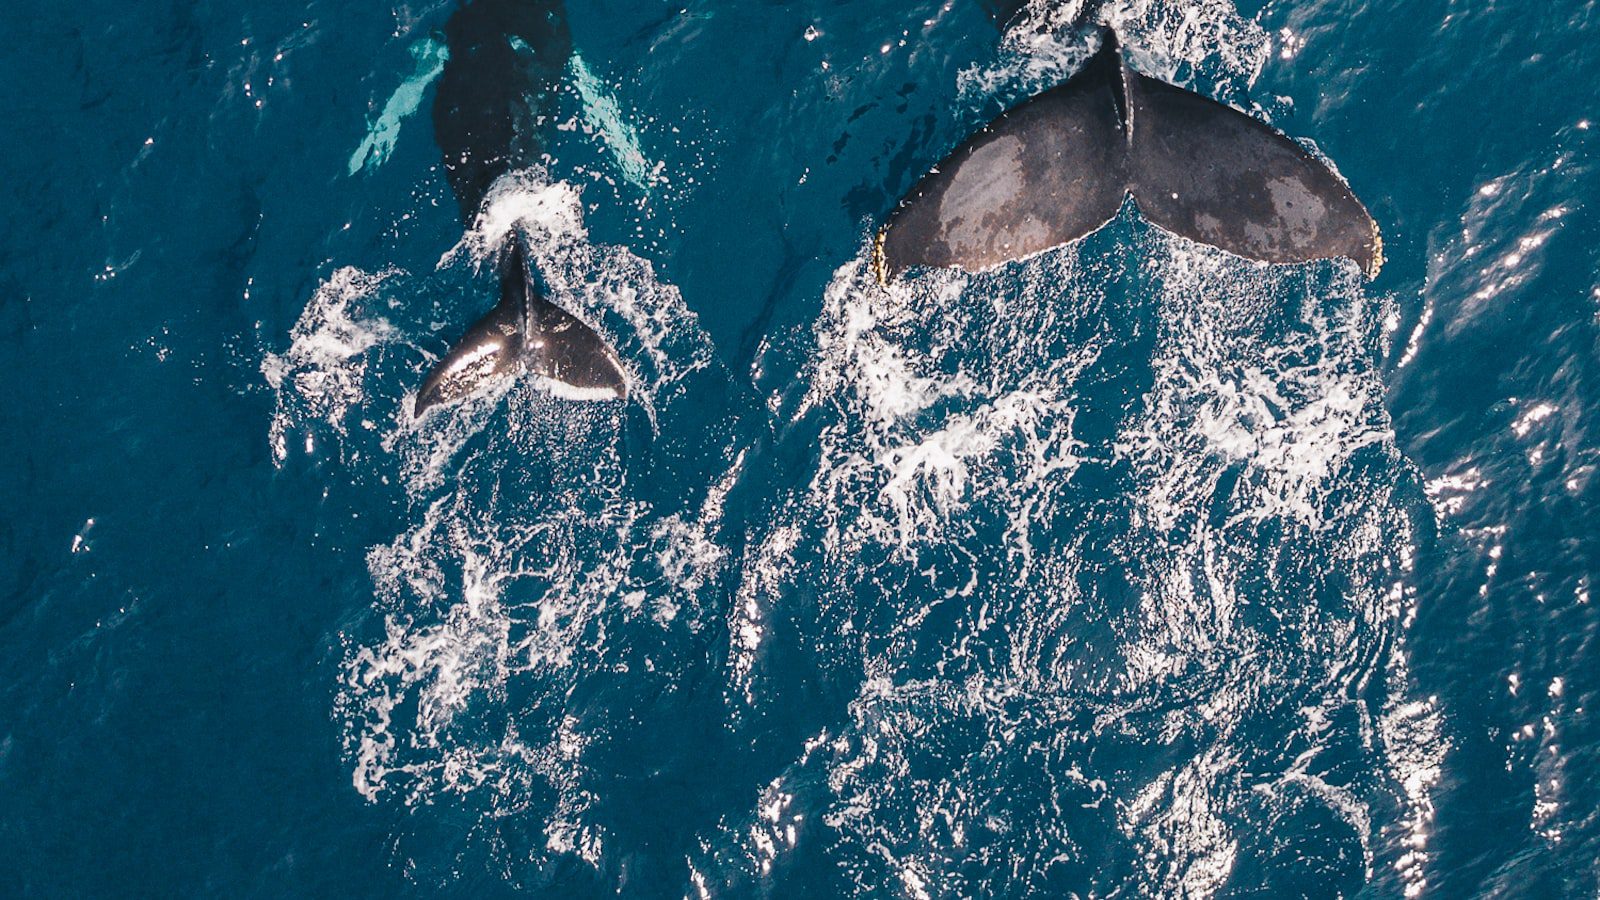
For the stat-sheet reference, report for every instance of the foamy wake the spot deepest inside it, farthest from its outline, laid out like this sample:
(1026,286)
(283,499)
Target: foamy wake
(1138,648)
(1163,39)
(1154,645)
(529,548)
(320,380)
(939,395)
(1115,552)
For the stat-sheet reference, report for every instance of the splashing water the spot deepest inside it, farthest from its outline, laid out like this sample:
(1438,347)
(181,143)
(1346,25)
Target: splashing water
(1169,41)
(529,552)
(320,378)
(1107,631)
(1058,609)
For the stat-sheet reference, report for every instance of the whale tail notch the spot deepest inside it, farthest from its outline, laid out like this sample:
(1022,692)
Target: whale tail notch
(1060,165)
(525,332)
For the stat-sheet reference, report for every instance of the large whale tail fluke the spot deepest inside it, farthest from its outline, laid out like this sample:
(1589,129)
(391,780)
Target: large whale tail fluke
(1060,165)
(525,332)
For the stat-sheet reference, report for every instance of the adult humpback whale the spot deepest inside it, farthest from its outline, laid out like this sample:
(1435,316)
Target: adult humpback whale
(1060,165)
(497,91)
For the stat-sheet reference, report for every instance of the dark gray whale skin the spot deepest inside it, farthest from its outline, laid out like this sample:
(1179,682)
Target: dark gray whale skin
(494,101)
(1061,164)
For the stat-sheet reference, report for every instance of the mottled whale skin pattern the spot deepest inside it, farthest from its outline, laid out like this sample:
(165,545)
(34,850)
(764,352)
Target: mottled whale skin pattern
(1061,164)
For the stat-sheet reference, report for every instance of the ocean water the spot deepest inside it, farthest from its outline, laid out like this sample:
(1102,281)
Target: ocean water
(1135,569)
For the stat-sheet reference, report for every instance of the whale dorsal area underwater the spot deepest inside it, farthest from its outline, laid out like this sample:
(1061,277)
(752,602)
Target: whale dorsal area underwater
(495,96)
(1061,164)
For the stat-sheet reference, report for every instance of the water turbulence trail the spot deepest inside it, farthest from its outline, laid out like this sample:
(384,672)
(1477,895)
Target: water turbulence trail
(1105,566)
(1103,570)
(1047,42)
(535,573)
(1091,574)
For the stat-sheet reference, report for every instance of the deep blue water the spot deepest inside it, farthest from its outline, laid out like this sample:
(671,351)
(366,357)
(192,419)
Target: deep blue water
(1132,570)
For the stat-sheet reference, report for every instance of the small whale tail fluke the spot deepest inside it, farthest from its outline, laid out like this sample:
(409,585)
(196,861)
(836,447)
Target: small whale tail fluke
(525,332)
(1060,165)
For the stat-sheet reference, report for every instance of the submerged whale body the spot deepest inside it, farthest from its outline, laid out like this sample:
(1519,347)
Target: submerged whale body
(1060,165)
(497,90)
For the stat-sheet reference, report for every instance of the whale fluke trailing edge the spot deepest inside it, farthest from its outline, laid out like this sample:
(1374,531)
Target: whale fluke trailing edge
(526,333)
(1061,164)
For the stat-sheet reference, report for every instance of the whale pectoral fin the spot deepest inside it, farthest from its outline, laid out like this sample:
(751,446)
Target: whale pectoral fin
(1212,174)
(491,348)
(1042,174)
(576,360)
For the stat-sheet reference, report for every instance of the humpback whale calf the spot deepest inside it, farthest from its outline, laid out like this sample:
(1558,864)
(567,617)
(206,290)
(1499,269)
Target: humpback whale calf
(1060,165)
(498,89)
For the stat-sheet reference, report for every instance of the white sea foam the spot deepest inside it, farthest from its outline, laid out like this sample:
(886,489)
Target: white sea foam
(1192,586)
(927,465)
(1293,406)
(320,379)
(527,548)
(1163,39)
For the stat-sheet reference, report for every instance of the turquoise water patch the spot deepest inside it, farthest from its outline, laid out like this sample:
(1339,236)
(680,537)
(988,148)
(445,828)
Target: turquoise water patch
(385,131)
